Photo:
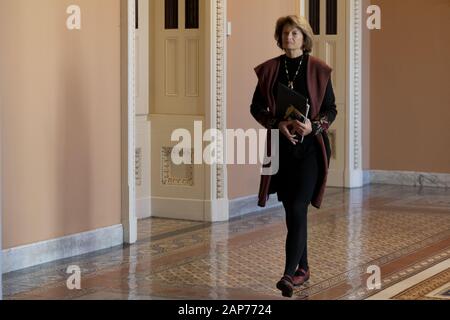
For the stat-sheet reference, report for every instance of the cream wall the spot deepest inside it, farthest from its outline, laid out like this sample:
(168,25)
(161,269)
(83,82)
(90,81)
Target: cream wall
(60,97)
(251,43)
(410,83)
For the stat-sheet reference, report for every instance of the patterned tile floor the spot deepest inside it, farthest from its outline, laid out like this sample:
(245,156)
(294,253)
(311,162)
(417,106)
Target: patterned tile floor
(401,230)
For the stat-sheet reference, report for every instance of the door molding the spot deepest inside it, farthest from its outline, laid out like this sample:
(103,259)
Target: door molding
(217,205)
(216,194)
(218,98)
(128,67)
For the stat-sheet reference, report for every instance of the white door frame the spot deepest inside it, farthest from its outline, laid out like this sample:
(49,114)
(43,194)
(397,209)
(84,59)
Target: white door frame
(353,171)
(216,186)
(353,175)
(216,202)
(129,219)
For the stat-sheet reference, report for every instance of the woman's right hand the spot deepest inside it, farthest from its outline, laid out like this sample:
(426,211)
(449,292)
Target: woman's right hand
(284,128)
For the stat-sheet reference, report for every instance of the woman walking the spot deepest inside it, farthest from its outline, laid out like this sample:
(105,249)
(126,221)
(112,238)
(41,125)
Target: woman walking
(303,170)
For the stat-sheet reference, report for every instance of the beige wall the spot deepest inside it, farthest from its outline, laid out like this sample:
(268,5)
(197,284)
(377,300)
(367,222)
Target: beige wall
(251,43)
(410,83)
(60,97)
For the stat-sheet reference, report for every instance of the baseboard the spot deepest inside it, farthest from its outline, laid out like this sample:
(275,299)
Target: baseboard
(367,177)
(246,205)
(408,178)
(70,246)
(143,208)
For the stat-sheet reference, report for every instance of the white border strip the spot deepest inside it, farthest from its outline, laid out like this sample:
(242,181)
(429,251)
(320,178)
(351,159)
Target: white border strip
(56,249)
(409,178)
(410,282)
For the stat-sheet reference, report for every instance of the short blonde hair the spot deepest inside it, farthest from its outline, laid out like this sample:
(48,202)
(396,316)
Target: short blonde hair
(298,22)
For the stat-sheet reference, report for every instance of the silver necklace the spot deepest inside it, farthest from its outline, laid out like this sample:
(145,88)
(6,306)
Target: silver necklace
(291,83)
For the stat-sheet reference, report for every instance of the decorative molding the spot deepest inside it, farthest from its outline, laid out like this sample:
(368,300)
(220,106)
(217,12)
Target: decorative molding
(143,166)
(47,251)
(138,167)
(354,176)
(167,175)
(356,41)
(220,89)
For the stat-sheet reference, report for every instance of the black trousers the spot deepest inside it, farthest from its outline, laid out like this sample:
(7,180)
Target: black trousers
(299,175)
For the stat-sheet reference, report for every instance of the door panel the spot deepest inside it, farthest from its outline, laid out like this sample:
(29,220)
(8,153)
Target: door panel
(178,59)
(330,46)
(177,99)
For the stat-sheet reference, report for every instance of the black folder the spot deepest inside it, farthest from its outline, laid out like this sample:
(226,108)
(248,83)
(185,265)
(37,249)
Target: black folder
(291,105)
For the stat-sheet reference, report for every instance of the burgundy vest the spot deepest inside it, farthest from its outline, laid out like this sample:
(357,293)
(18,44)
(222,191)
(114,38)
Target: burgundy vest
(318,75)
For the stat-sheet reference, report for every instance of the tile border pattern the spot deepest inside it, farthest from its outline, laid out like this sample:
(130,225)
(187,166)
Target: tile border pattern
(401,288)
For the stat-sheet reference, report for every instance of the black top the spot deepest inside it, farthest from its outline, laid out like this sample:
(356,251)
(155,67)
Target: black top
(290,155)
(292,66)
(300,85)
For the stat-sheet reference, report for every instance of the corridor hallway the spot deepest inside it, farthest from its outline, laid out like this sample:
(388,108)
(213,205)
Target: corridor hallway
(403,230)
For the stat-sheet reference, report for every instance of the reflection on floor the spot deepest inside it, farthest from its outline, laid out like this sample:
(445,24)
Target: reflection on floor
(405,231)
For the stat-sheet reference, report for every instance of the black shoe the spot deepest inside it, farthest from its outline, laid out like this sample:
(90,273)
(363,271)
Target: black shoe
(286,286)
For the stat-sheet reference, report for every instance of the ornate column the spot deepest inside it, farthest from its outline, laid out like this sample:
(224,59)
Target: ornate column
(354,176)
(217,201)
(220,108)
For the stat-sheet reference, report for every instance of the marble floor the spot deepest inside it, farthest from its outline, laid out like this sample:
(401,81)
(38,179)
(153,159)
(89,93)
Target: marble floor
(400,233)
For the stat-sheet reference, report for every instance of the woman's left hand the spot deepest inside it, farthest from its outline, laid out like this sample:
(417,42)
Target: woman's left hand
(303,129)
